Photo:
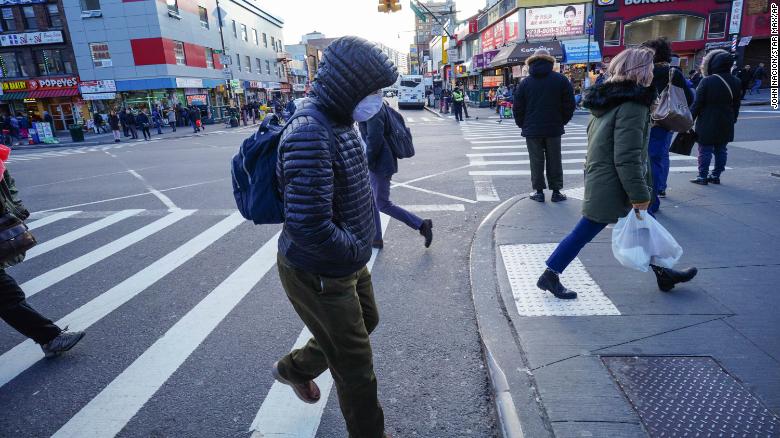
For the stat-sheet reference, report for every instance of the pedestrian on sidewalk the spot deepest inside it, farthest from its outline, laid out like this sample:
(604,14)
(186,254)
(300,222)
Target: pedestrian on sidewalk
(172,118)
(157,118)
(758,79)
(715,110)
(97,120)
(131,123)
(661,138)
(745,76)
(113,121)
(50,120)
(143,122)
(457,104)
(123,122)
(195,118)
(14,308)
(616,171)
(382,165)
(543,105)
(328,228)
(14,123)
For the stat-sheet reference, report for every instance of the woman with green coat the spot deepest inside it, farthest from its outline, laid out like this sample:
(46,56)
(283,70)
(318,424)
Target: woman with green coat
(616,168)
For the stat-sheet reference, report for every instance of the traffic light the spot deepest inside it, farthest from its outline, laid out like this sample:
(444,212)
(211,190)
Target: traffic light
(389,6)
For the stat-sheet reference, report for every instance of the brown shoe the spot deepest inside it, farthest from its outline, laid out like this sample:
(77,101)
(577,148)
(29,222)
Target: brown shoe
(308,392)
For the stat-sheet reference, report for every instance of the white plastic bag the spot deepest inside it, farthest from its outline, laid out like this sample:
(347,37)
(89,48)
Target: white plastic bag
(638,241)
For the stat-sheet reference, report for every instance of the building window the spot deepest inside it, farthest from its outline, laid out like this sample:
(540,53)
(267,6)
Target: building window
(10,65)
(100,54)
(235,31)
(267,67)
(265,40)
(672,26)
(243,33)
(30,21)
(90,5)
(178,51)
(55,18)
(238,62)
(9,24)
(51,62)
(259,65)
(273,43)
(173,8)
(209,58)
(248,63)
(717,27)
(204,17)
(612,33)
(254,35)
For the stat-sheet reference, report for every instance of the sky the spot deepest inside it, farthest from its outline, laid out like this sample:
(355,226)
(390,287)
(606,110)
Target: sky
(337,18)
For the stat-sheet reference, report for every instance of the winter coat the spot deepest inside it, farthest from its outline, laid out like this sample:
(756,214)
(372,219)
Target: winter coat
(171,116)
(328,206)
(113,120)
(194,114)
(544,101)
(10,203)
(98,119)
(130,119)
(745,77)
(142,120)
(380,157)
(759,74)
(661,80)
(616,166)
(714,109)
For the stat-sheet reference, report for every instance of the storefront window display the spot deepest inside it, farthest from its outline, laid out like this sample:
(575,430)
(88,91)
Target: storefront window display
(674,27)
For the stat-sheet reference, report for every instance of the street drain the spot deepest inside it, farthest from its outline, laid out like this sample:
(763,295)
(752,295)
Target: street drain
(690,397)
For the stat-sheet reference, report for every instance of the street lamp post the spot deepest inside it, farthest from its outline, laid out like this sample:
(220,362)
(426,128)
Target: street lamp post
(222,43)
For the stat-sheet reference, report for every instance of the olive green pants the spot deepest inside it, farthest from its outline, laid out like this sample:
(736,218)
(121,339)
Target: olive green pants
(340,313)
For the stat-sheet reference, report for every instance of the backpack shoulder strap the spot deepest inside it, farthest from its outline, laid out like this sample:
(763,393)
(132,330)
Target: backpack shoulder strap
(322,119)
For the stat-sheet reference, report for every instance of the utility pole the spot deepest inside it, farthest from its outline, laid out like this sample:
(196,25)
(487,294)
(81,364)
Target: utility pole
(449,35)
(222,43)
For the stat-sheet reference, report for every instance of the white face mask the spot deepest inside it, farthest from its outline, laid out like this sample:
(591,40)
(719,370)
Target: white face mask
(367,107)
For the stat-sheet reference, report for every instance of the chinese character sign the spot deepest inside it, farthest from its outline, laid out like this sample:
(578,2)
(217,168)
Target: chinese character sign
(555,21)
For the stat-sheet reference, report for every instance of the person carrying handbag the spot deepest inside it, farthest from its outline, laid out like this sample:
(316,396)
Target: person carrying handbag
(715,109)
(14,309)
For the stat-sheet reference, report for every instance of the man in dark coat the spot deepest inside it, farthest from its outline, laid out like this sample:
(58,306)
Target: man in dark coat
(195,118)
(328,229)
(123,122)
(758,79)
(543,105)
(661,138)
(715,109)
(382,165)
(745,76)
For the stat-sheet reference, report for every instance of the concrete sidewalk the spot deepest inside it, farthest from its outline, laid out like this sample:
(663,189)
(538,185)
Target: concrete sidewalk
(625,359)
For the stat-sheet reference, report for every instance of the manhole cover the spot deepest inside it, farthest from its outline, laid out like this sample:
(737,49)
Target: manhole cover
(690,397)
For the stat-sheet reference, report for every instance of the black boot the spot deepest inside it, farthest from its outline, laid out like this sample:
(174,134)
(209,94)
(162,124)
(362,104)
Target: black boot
(557,196)
(550,282)
(426,230)
(668,278)
(538,196)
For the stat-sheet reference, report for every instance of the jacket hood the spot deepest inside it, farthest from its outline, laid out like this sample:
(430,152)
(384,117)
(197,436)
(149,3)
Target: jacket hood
(599,99)
(351,68)
(717,61)
(540,64)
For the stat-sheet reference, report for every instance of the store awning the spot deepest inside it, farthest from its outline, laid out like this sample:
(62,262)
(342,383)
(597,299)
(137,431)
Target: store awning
(19,95)
(517,54)
(42,94)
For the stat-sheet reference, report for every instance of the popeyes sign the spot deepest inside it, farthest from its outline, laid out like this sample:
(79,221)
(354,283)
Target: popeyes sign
(53,83)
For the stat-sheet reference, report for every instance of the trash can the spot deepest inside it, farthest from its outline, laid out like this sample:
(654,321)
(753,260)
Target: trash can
(76,133)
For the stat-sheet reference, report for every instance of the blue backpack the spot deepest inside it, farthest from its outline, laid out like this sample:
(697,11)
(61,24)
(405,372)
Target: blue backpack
(254,170)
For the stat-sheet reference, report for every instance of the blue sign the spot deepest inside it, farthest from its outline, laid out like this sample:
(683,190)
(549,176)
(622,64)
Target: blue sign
(20,2)
(590,20)
(577,51)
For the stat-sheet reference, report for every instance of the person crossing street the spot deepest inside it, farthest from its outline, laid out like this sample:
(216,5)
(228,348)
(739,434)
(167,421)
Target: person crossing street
(457,104)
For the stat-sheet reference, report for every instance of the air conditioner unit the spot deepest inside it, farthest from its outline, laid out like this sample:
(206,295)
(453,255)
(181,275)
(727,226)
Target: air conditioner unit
(91,14)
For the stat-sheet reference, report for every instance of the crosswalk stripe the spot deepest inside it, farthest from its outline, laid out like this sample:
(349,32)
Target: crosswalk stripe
(26,354)
(678,169)
(62,272)
(51,219)
(521,154)
(410,120)
(426,119)
(485,189)
(566,161)
(281,414)
(482,148)
(498,138)
(86,230)
(117,403)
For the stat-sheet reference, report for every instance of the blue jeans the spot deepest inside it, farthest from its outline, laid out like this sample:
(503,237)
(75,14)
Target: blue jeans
(380,186)
(756,86)
(658,152)
(705,157)
(571,245)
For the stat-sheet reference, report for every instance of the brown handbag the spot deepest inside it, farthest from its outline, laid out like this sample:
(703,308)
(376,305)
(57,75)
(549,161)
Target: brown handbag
(671,109)
(15,239)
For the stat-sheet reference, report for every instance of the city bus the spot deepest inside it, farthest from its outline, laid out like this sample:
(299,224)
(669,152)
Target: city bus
(411,91)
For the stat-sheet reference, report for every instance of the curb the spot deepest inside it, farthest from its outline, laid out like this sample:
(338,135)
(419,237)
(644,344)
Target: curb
(499,339)
(434,112)
(756,103)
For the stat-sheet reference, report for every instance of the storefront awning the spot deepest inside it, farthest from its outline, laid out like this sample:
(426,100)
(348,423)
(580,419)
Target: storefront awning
(42,94)
(517,54)
(19,95)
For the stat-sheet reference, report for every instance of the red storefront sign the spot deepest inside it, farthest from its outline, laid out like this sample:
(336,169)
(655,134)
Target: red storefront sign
(53,83)
(493,36)
(473,26)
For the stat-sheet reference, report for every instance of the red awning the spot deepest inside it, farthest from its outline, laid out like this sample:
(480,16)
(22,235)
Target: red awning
(40,94)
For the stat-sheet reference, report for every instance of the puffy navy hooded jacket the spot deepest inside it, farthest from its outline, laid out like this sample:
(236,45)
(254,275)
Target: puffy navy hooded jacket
(328,207)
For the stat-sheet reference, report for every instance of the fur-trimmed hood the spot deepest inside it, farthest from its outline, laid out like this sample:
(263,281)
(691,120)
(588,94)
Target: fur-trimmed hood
(599,99)
(717,61)
(540,64)
(539,57)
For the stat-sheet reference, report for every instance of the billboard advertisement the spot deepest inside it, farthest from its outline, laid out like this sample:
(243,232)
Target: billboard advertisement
(553,21)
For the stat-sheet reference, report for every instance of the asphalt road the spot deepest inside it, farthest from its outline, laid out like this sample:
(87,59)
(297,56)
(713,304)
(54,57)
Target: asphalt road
(184,311)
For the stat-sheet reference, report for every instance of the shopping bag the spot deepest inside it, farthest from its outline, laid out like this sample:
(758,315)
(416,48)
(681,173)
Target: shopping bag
(683,143)
(638,241)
